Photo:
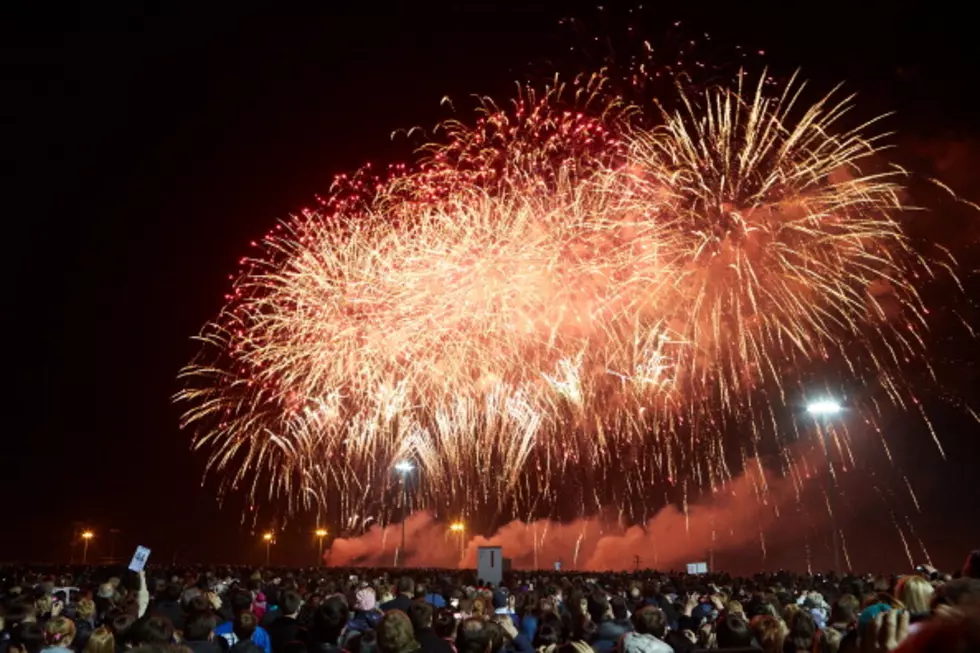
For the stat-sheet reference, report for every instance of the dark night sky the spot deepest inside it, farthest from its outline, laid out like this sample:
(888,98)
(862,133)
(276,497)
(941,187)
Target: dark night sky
(149,145)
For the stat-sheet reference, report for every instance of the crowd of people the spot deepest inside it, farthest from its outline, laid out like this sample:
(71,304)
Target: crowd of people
(329,610)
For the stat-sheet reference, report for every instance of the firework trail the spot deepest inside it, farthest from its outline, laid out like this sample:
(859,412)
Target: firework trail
(568,301)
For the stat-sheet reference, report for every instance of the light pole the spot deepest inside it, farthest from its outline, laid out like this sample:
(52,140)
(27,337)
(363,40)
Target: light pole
(86,537)
(113,532)
(404,468)
(821,410)
(320,534)
(460,529)
(268,547)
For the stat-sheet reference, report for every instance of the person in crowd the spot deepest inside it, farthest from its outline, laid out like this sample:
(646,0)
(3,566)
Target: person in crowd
(649,628)
(406,593)
(366,614)
(732,633)
(244,627)
(433,595)
(328,625)
(503,604)
(395,633)
(84,623)
(844,613)
(421,614)
(122,626)
(308,611)
(916,593)
(613,623)
(101,641)
(444,625)
(199,633)
(285,627)
(474,635)
(769,632)
(154,630)
(168,605)
(26,637)
(59,632)
(241,601)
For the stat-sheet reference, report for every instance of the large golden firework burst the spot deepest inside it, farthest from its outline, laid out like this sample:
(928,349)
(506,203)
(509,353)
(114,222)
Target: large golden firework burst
(569,301)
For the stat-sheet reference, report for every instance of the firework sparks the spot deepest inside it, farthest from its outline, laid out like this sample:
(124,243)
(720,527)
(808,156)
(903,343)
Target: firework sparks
(564,286)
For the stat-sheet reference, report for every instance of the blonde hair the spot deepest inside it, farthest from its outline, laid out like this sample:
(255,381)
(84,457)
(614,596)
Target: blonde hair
(43,605)
(101,641)
(85,608)
(833,639)
(59,631)
(916,593)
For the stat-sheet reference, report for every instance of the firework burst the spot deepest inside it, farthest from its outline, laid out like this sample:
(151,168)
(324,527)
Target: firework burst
(569,301)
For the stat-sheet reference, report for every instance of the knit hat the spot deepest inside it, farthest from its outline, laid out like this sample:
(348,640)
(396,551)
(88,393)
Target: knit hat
(499,599)
(365,599)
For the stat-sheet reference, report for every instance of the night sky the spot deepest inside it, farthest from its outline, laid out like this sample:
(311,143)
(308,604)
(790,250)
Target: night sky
(149,146)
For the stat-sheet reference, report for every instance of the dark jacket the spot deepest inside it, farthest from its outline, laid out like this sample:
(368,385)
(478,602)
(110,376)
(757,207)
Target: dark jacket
(432,643)
(362,620)
(206,646)
(283,630)
(609,634)
(172,610)
(246,646)
(400,602)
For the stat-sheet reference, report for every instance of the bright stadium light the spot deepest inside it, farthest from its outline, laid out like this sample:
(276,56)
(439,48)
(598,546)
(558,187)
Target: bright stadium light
(823,408)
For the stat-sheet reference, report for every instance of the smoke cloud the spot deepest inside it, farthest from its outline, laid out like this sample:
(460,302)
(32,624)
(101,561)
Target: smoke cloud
(734,527)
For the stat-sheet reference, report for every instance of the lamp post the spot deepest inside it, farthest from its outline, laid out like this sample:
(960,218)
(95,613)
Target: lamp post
(404,468)
(268,547)
(113,532)
(320,534)
(460,529)
(821,410)
(86,538)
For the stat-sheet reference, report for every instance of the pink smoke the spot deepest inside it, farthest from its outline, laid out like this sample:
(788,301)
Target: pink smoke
(737,523)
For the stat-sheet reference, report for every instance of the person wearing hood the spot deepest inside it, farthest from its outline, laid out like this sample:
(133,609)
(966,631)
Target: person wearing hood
(199,634)
(613,625)
(503,604)
(366,617)
(650,624)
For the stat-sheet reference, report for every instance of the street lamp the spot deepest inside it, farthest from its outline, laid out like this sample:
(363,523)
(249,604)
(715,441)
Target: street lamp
(320,534)
(826,408)
(404,468)
(460,529)
(268,547)
(86,537)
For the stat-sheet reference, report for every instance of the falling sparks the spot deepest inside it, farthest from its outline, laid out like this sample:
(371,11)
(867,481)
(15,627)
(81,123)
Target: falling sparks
(572,283)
